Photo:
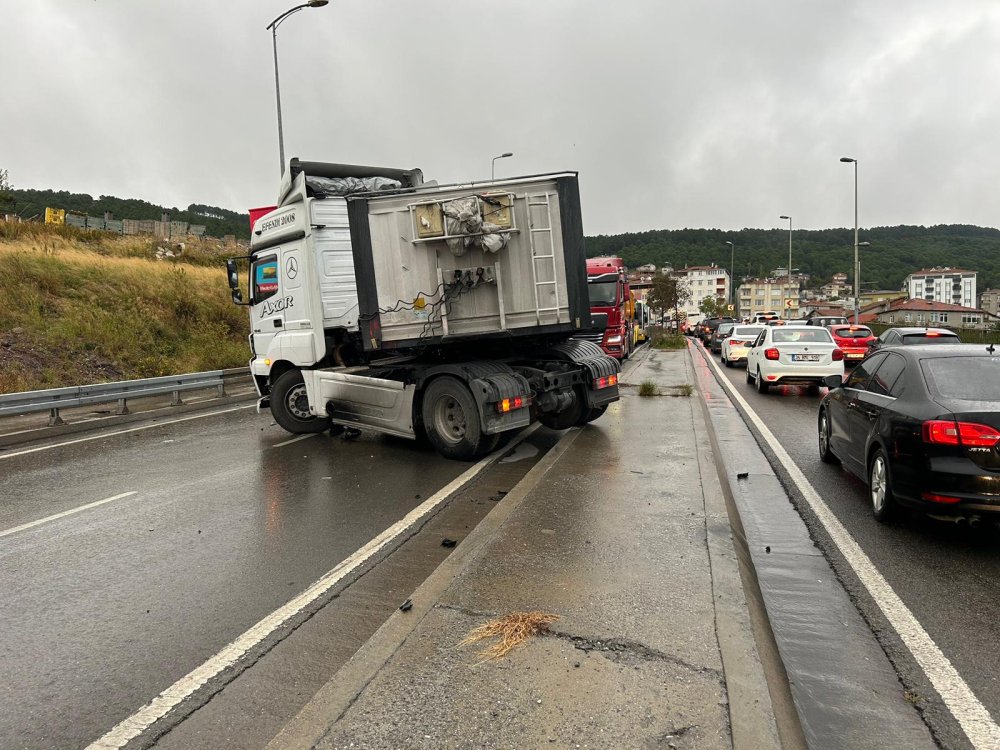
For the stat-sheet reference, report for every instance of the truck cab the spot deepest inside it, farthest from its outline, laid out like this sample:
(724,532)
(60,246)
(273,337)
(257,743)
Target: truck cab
(612,307)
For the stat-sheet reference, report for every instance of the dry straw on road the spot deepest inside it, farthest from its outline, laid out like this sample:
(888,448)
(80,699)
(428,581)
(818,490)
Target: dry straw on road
(509,631)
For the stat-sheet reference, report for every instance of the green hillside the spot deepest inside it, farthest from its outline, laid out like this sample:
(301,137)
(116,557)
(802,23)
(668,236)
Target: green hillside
(894,251)
(218,221)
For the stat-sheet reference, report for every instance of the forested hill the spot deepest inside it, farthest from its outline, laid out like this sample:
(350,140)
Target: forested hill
(218,221)
(893,253)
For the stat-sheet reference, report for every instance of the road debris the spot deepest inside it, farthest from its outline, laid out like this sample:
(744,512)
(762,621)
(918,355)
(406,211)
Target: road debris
(509,631)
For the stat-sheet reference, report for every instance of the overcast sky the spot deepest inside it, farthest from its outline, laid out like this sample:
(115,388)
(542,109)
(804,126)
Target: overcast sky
(676,113)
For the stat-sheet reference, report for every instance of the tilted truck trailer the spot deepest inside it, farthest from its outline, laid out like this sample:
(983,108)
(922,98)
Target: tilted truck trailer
(381,302)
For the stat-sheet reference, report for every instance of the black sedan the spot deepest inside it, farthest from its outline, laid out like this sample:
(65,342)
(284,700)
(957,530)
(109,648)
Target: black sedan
(913,336)
(921,424)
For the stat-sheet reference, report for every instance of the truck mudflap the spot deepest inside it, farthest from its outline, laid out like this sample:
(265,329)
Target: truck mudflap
(491,384)
(602,385)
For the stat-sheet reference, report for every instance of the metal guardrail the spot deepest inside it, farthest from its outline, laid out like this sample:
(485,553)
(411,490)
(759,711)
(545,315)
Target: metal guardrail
(54,399)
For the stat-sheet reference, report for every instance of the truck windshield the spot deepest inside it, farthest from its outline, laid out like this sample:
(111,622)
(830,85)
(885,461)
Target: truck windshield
(603,293)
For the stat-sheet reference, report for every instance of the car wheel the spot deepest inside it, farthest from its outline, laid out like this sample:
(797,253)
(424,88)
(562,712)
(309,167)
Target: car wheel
(762,386)
(726,362)
(749,376)
(825,454)
(880,487)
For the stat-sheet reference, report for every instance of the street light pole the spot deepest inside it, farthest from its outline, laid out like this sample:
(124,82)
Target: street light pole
(732,274)
(857,263)
(273,28)
(789,259)
(493,172)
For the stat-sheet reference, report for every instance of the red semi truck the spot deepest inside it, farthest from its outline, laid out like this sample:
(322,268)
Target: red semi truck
(612,308)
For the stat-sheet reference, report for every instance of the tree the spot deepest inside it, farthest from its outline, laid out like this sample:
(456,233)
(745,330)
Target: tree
(714,307)
(668,292)
(7,200)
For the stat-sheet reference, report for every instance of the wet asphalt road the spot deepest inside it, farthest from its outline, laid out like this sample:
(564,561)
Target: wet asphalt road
(948,576)
(103,609)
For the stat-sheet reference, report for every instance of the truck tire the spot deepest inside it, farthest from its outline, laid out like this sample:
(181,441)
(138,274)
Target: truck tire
(569,417)
(290,408)
(451,420)
(589,415)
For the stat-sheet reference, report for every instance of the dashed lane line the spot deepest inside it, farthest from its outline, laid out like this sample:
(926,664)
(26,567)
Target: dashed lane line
(47,519)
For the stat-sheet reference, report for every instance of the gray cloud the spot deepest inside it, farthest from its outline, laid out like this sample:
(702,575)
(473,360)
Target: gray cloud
(682,114)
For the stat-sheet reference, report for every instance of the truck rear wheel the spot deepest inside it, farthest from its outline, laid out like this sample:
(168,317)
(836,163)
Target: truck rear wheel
(290,405)
(451,420)
(589,415)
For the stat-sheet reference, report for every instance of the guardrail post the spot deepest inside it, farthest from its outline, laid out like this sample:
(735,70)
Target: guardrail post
(175,399)
(222,390)
(122,407)
(54,418)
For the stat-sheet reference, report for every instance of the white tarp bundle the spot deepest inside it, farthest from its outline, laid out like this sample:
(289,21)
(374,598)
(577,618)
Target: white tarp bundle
(351,185)
(463,216)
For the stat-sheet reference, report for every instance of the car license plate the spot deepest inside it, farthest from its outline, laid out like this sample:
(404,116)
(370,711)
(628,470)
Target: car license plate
(851,355)
(805,358)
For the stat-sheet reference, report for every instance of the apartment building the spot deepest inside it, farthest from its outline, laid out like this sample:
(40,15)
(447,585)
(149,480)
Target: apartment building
(920,312)
(759,295)
(953,286)
(990,301)
(704,281)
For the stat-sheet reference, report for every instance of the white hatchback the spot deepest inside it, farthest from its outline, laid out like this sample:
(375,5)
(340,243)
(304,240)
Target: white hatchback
(737,344)
(793,355)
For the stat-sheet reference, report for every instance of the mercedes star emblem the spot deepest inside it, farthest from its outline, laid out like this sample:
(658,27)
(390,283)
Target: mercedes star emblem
(292,268)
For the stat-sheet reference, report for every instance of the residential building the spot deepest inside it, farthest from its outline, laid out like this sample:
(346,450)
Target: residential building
(704,281)
(990,301)
(954,286)
(920,312)
(880,295)
(759,295)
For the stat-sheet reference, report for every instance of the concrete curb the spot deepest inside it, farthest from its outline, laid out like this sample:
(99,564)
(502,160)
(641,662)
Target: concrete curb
(744,609)
(310,725)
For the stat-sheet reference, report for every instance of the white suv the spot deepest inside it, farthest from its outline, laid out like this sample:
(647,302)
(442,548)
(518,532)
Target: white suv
(793,355)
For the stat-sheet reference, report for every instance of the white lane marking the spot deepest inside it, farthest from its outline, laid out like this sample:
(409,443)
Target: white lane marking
(972,715)
(295,439)
(65,513)
(122,432)
(130,728)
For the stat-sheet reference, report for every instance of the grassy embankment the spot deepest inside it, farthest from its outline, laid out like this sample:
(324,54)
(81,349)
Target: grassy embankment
(80,307)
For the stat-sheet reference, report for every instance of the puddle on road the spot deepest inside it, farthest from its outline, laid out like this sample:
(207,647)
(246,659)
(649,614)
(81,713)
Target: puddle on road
(522,451)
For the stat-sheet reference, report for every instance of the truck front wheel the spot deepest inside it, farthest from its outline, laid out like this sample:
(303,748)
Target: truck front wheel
(451,420)
(290,405)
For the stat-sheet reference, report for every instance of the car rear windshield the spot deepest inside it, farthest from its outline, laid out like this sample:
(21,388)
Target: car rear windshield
(801,336)
(852,332)
(748,331)
(966,378)
(922,338)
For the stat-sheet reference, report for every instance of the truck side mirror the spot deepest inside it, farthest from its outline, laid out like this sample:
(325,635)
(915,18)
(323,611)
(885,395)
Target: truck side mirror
(234,278)
(237,297)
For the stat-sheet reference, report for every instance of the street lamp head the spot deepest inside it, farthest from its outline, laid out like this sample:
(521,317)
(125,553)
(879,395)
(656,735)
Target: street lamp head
(864,244)
(784,217)
(729,242)
(847,159)
(505,155)
(317,3)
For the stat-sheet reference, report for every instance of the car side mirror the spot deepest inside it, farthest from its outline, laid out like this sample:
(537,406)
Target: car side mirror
(833,381)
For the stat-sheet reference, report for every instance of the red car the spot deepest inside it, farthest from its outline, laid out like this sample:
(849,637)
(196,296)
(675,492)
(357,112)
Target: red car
(853,340)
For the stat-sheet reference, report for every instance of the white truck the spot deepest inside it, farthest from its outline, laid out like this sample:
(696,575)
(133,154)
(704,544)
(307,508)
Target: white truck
(382,302)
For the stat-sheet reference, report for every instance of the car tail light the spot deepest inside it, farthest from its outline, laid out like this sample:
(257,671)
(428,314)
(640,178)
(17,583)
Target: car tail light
(966,434)
(735,342)
(771,353)
(932,334)
(838,355)
(607,382)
